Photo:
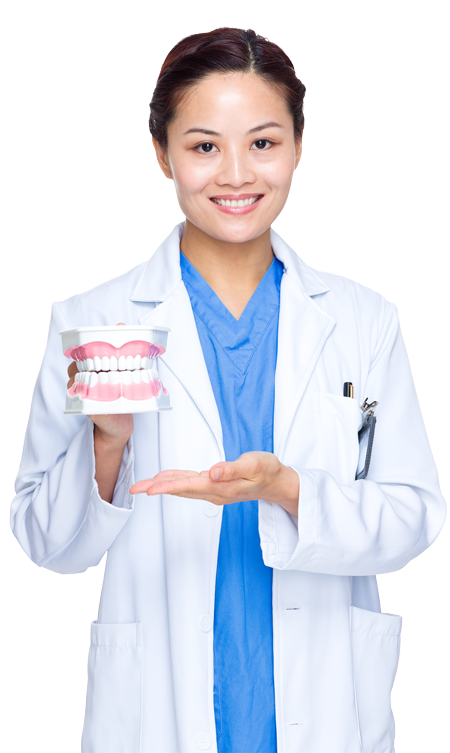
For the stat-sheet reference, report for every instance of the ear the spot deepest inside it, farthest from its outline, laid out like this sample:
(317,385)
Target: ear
(298,152)
(161,156)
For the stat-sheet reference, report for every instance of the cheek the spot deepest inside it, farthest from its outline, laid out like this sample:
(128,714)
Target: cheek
(190,177)
(278,174)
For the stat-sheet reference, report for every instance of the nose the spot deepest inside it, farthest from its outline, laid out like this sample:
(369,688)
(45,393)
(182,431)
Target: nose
(235,169)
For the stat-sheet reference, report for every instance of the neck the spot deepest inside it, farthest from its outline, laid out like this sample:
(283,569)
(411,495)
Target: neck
(233,270)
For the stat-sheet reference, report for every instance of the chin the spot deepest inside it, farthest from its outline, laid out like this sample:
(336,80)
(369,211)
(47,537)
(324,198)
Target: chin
(232,232)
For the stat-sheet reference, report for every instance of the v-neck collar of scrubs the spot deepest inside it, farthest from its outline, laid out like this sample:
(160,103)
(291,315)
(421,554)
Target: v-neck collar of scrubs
(239,338)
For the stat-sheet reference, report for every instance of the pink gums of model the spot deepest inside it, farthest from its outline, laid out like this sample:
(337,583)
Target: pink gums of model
(109,385)
(101,349)
(142,390)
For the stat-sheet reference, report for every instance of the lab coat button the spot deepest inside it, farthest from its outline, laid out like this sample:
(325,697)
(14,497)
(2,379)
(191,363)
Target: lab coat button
(205,622)
(203,740)
(210,509)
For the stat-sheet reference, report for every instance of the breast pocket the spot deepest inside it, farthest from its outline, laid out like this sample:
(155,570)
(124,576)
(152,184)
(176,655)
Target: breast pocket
(113,703)
(338,420)
(375,640)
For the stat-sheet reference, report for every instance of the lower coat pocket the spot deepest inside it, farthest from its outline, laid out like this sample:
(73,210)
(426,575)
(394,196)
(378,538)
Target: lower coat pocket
(113,704)
(375,650)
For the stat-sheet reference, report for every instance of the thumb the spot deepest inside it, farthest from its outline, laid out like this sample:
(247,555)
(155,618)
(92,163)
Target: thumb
(224,471)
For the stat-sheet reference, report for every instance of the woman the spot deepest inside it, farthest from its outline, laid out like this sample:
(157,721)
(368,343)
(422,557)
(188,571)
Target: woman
(240,608)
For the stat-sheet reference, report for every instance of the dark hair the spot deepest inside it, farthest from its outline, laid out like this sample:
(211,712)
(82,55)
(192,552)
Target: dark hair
(221,51)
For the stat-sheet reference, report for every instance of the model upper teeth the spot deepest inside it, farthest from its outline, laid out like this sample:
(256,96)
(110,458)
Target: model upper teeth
(237,202)
(128,363)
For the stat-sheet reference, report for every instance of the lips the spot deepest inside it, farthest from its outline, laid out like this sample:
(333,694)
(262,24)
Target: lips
(237,203)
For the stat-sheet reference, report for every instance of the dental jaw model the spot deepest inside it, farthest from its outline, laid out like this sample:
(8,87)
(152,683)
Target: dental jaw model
(116,369)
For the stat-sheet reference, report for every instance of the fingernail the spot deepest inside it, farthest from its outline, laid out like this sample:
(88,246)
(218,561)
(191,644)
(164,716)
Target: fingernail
(216,473)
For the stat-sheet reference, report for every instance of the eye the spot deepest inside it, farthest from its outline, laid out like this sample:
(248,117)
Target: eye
(205,148)
(262,144)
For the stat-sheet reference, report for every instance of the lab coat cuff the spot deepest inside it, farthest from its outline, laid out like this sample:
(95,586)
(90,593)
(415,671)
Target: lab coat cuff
(287,541)
(100,523)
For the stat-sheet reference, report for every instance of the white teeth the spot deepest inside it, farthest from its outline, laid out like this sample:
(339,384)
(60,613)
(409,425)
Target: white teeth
(92,378)
(125,369)
(237,202)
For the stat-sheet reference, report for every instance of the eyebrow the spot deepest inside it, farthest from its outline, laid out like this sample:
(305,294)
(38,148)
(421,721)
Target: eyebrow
(271,124)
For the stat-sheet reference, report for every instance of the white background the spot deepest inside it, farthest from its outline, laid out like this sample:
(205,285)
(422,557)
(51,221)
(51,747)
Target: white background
(84,201)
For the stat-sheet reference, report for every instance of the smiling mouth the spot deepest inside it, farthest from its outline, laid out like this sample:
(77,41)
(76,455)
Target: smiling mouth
(240,205)
(235,203)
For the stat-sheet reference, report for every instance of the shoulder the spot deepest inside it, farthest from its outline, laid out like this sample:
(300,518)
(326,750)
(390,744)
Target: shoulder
(346,296)
(362,315)
(104,303)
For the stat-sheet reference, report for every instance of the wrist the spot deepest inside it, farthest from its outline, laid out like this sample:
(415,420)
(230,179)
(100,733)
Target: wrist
(289,491)
(108,443)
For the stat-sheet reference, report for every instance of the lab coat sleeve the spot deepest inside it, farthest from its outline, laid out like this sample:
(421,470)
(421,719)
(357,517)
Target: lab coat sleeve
(58,516)
(376,525)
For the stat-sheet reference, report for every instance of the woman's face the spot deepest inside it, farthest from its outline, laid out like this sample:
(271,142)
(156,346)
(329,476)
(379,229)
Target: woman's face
(231,153)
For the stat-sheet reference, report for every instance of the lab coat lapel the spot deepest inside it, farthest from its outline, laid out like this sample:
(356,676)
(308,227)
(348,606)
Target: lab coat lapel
(161,284)
(302,332)
(184,355)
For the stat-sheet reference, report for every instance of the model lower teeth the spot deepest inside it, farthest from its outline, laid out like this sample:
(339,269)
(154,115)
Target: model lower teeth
(116,377)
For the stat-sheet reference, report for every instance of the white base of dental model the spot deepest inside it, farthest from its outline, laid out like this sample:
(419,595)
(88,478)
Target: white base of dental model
(116,369)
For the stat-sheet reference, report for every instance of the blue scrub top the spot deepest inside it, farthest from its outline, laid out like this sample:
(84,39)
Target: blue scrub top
(240,356)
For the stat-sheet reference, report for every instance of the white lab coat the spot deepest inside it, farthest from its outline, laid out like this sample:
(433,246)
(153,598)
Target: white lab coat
(150,687)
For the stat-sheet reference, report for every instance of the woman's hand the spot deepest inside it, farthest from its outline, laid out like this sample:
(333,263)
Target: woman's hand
(111,434)
(254,475)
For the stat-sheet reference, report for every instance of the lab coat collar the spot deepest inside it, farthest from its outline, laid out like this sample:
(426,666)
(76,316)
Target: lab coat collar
(302,332)
(162,273)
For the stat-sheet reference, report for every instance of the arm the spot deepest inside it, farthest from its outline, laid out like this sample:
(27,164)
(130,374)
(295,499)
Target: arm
(379,524)
(307,519)
(58,515)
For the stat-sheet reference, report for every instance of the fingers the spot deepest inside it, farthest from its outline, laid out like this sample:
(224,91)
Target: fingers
(191,484)
(173,485)
(72,370)
(162,477)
